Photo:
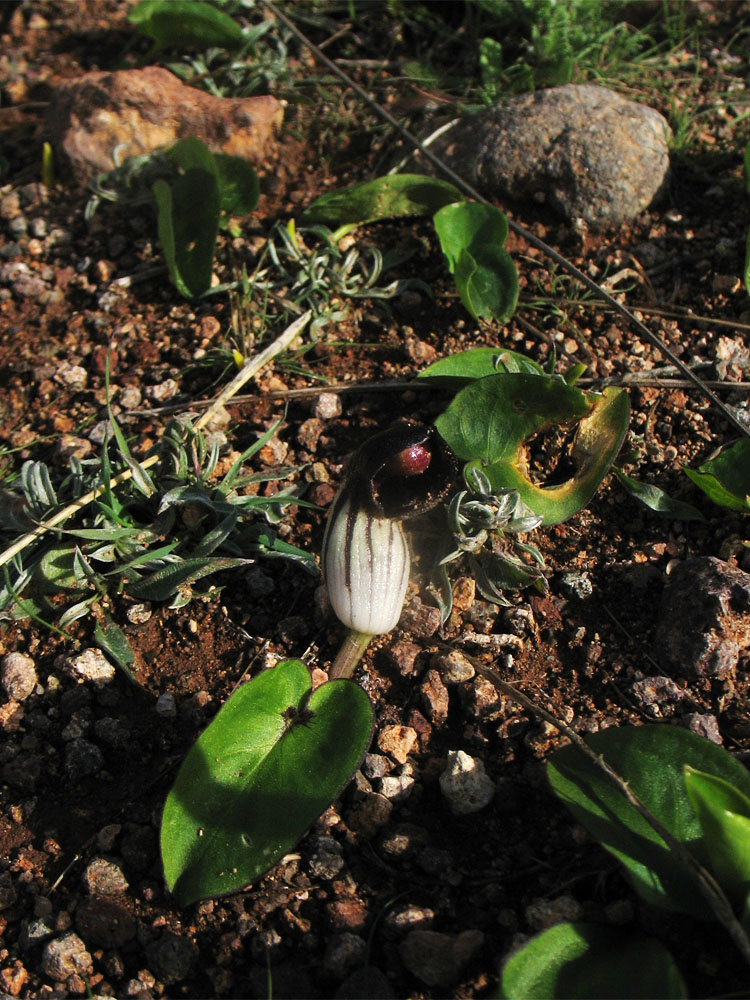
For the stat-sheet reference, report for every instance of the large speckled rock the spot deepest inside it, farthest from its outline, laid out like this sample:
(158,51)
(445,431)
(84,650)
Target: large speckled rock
(99,119)
(704,619)
(584,150)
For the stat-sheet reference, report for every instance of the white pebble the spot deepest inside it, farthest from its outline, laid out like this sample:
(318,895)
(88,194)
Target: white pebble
(90,665)
(465,784)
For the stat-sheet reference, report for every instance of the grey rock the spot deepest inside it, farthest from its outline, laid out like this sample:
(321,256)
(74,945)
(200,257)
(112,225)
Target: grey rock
(104,878)
(544,913)
(35,931)
(651,691)
(327,406)
(369,815)
(66,956)
(586,151)
(576,585)
(18,675)
(465,784)
(453,667)
(406,839)
(704,725)
(437,959)
(326,859)
(344,951)
(704,618)
(82,759)
(172,957)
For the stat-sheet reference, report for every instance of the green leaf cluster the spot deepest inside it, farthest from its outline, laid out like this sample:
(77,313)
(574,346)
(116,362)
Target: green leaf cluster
(471,234)
(695,789)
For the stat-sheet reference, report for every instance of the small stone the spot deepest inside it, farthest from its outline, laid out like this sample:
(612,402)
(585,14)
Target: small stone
(326,859)
(274,453)
(104,878)
(106,837)
(35,931)
(438,959)
(327,406)
(464,593)
(420,352)
(368,816)
(139,614)
(403,919)
(375,765)
(309,433)
(397,741)
(576,585)
(66,956)
(704,623)
(90,665)
(82,759)
(18,676)
(422,620)
(704,725)
(465,785)
(163,391)
(13,978)
(166,706)
(405,840)
(435,698)
(453,667)
(344,951)
(397,787)
(403,654)
(544,913)
(347,915)
(130,397)
(652,691)
(73,377)
(172,957)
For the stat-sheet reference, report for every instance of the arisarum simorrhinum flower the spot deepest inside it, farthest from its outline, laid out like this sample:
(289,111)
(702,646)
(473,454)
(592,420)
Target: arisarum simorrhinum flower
(397,474)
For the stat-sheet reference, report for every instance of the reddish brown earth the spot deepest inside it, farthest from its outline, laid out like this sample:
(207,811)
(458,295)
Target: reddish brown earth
(580,655)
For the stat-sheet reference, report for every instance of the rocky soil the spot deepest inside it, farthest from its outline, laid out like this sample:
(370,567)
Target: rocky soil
(396,891)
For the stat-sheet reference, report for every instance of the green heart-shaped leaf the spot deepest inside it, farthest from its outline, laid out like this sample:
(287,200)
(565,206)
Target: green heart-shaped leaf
(590,962)
(273,759)
(651,760)
(491,420)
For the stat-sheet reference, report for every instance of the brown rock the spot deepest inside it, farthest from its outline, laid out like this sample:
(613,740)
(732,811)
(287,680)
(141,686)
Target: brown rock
(138,110)
(397,741)
(402,655)
(12,979)
(435,698)
(422,620)
(437,959)
(347,915)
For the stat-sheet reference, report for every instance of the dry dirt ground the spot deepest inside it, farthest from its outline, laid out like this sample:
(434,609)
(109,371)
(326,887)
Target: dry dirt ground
(306,926)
